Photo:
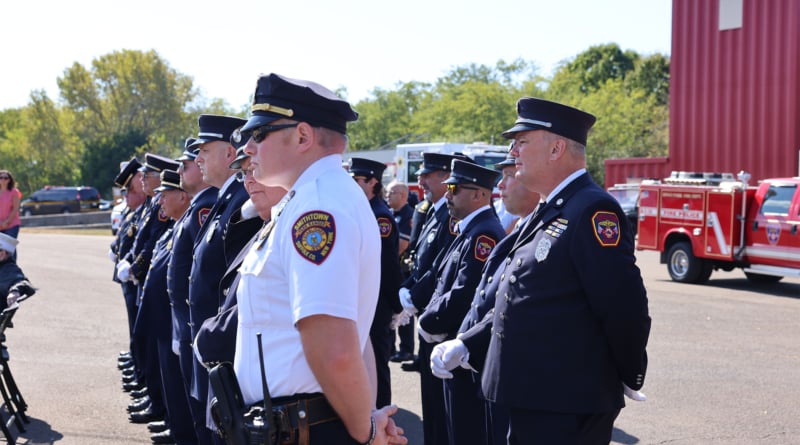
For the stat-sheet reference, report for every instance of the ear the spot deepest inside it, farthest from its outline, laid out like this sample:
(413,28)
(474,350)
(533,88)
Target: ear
(558,149)
(306,136)
(230,152)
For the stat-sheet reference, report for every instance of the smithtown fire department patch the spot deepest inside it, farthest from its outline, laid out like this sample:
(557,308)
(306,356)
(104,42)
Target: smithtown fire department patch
(385,224)
(314,234)
(483,247)
(606,228)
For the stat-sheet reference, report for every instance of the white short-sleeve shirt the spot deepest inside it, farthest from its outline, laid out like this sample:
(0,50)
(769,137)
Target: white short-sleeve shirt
(323,257)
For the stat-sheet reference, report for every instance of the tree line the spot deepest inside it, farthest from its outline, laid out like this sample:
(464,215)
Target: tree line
(130,102)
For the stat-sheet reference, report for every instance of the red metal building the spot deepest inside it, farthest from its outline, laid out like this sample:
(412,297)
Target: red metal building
(734,89)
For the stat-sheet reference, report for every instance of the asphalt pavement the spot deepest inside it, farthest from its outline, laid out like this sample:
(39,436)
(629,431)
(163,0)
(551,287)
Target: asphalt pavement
(724,357)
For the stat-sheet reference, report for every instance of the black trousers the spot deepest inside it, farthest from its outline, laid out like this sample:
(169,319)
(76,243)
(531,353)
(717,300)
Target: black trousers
(176,399)
(434,418)
(382,337)
(529,427)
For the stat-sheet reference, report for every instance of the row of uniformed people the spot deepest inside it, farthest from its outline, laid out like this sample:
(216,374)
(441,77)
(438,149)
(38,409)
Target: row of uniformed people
(541,345)
(204,225)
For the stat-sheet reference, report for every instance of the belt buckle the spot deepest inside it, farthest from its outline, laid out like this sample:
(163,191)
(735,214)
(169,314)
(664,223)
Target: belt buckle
(283,425)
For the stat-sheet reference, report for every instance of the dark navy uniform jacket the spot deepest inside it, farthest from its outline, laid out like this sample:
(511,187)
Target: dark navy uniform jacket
(388,303)
(571,320)
(180,262)
(210,256)
(459,274)
(434,239)
(154,223)
(154,318)
(475,330)
(216,338)
(126,234)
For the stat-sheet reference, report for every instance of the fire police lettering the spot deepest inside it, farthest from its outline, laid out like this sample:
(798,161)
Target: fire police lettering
(314,234)
(606,228)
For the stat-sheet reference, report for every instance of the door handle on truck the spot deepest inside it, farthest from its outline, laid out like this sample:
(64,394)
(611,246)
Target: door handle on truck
(755,226)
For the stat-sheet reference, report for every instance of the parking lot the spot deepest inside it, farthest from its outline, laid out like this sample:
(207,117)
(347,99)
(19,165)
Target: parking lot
(724,357)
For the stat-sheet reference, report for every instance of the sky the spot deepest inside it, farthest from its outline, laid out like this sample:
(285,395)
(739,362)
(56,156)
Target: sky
(358,45)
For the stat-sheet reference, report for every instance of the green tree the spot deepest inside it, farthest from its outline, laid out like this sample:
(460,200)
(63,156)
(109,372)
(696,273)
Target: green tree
(128,102)
(590,69)
(386,116)
(652,76)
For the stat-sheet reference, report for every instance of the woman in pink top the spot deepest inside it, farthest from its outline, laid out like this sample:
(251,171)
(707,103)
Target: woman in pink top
(9,204)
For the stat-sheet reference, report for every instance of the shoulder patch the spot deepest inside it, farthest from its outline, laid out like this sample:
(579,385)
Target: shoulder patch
(313,235)
(606,228)
(453,226)
(483,247)
(202,215)
(385,224)
(162,215)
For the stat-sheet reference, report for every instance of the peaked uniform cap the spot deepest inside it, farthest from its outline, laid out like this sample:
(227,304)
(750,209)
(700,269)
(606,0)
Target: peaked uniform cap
(214,127)
(366,167)
(188,150)
(170,180)
(278,97)
(156,163)
(540,114)
(127,172)
(432,161)
(470,173)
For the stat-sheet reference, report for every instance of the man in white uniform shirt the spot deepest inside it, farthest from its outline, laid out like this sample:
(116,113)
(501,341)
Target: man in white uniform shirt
(310,287)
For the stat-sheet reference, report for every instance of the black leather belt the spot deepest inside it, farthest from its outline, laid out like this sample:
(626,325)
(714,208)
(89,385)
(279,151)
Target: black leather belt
(293,416)
(314,409)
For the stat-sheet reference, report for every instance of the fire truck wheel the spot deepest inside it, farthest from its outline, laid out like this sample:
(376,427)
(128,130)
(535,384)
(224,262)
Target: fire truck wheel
(760,278)
(684,267)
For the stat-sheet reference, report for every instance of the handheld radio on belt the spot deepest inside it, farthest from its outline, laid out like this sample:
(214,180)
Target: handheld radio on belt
(269,426)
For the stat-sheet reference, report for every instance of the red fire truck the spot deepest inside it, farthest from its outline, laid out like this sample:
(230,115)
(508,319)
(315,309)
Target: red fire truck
(701,222)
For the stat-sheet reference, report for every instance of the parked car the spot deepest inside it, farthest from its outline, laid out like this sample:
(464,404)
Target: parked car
(60,199)
(116,216)
(628,197)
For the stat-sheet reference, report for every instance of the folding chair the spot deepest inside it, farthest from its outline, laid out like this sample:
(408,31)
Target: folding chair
(13,402)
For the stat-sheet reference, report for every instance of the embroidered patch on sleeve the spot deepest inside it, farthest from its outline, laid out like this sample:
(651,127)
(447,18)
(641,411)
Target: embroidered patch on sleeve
(202,215)
(606,228)
(483,247)
(453,226)
(385,224)
(314,234)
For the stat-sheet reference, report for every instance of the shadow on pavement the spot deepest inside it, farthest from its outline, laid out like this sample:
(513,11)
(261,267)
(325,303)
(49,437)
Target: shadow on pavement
(619,436)
(411,423)
(37,432)
(779,289)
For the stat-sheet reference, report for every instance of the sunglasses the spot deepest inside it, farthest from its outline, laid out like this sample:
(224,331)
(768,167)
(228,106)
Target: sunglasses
(261,133)
(453,188)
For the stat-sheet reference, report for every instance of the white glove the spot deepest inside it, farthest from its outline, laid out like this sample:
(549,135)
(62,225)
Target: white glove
(447,356)
(124,271)
(633,395)
(405,300)
(112,256)
(176,347)
(401,319)
(430,338)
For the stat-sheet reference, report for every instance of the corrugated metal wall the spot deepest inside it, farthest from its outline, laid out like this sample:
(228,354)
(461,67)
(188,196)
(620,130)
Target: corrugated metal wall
(621,171)
(734,93)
